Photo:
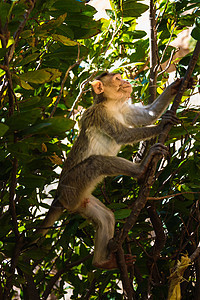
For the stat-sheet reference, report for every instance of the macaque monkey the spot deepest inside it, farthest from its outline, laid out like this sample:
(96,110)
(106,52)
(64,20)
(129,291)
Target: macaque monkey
(105,126)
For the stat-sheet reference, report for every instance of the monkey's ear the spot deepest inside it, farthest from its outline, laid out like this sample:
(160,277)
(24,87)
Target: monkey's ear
(97,86)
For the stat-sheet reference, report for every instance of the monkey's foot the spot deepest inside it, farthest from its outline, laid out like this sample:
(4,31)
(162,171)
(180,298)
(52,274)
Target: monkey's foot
(169,118)
(111,263)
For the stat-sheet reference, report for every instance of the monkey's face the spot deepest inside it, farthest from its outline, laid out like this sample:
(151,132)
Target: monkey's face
(112,87)
(115,88)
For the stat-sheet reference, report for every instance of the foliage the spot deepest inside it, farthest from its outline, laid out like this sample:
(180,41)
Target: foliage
(48,50)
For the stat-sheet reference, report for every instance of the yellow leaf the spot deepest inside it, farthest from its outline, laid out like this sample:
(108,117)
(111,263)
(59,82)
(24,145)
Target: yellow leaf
(55,159)
(44,147)
(26,86)
(159,90)
(176,278)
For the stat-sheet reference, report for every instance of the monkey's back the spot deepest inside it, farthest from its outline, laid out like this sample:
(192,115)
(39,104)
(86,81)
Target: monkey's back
(92,139)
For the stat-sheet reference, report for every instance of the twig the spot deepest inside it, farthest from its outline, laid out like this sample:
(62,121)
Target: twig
(83,84)
(153,57)
(170,196)
(160,238)
(161,18)
(19,30)
(168,64)
(62,86)
(161,59)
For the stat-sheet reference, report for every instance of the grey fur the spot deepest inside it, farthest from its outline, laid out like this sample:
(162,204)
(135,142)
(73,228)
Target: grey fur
(104,127)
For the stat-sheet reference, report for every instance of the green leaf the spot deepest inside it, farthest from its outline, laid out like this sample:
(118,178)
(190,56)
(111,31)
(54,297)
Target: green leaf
(131,8)
(74,6)
(26,34)
(136,34)
(35,102)
(51,25)
(3,129)
(196,33)
(122,214)
(4,10)
(25,267)
(40,76)
(2,52)
(52,126)
(64,40)
(25,85)
(21,120)
(117,205)
(28,59)
(32,181)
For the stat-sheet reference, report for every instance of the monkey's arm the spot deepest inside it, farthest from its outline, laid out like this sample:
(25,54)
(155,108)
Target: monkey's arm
(138,115)
(126,135)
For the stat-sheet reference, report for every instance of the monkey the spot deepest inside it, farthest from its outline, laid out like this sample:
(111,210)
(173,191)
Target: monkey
(112,121)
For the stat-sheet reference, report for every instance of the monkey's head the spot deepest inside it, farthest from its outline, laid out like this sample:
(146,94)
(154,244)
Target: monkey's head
(110,86)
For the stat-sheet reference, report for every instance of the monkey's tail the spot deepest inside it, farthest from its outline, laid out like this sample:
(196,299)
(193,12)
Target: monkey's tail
(53,215)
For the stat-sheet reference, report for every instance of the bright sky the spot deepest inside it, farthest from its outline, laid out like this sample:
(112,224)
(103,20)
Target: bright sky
(100,6)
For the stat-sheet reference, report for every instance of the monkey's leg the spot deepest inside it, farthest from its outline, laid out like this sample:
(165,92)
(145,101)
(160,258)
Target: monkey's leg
(104,222)
(76,184)
(53,215)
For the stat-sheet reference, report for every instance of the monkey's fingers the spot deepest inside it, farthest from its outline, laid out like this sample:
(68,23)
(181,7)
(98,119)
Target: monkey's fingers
(129,259)
(170,117)
(192,82)
(176,85)
(159,149)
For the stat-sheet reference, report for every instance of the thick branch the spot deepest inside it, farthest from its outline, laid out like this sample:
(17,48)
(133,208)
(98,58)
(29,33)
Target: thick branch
(195,254)
(159,231)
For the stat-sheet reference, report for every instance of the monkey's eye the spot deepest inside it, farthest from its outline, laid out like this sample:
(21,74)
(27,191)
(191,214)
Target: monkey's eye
(118,77)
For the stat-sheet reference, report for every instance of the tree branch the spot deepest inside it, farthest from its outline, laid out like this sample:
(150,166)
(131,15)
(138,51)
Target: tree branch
(83,84)
(20,29)
(62,85)
(196,253)
(124,273)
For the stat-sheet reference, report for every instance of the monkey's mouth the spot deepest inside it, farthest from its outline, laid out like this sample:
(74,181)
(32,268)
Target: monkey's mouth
(127,88)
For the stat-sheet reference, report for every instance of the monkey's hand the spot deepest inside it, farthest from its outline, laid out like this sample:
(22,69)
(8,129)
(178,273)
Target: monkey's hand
(169,118)
(176,85)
